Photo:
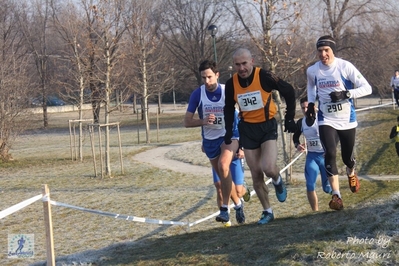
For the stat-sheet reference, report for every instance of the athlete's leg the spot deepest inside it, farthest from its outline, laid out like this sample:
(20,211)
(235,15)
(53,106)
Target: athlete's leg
(396,95)
(311,173)
(347,139)
(237,175)
(325,183)
(328,137)
(253,157)
(216,182)
(225,158)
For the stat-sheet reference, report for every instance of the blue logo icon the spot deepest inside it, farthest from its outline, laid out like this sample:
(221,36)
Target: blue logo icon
(21,246)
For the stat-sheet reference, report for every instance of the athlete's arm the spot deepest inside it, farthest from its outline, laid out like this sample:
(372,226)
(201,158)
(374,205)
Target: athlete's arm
(193,104)
(361,85)
(269,81)
(297,133)
(311,86)
(229,110)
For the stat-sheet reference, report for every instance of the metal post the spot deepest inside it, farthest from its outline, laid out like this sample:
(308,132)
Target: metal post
(173,88)
(213,29)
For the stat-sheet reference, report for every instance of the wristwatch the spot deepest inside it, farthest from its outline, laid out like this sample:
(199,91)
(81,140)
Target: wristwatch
(348,94)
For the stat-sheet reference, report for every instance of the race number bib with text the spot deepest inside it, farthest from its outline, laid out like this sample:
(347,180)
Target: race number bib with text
(313,144)
(250,101)
(336,110)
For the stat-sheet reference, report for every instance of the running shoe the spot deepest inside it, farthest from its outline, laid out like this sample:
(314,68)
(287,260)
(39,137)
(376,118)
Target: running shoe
(354,183)
(336,203)
(247,195)
(281,191)
(223,215)
(240,217)
(266,217)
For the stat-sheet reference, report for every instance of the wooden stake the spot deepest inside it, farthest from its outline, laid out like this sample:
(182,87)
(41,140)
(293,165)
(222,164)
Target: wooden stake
(49,227)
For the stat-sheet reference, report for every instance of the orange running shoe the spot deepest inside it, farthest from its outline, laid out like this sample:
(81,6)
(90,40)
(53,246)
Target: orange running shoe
(336,203)
(354,183)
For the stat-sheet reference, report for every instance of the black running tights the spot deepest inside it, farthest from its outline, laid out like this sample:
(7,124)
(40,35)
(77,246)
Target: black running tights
(329,138)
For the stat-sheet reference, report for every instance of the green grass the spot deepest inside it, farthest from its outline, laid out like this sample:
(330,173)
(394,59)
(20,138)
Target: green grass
(376,152)
(298,236)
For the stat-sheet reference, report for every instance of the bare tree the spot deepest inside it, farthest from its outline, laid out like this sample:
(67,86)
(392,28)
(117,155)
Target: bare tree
(185,31)
(33,23)
(144,45)
(70,25)
(109,31)
(14,80)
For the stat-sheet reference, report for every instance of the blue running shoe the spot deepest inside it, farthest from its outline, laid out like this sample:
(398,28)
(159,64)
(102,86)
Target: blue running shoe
(266,217)
(240,217)
(281,191)
(223,215)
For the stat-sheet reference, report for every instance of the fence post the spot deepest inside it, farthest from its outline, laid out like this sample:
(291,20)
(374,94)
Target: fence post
(49,227)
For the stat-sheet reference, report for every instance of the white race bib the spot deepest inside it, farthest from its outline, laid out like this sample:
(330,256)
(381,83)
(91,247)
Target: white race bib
(340,110)
(218,123)
(313,144)
(250,101)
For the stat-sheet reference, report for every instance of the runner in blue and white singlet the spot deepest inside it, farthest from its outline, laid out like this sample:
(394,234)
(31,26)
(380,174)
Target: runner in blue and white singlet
(209,100)
(314,163)
(335,82)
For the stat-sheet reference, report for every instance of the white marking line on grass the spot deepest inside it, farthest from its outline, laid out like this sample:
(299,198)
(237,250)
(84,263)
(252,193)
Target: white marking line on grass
(19,206)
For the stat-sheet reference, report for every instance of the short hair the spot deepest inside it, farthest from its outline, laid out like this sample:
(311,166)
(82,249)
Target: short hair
(302,100)
(242,51)
(208,64)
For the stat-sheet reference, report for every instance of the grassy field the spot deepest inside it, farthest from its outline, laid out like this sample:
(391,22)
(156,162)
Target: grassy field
(364,233)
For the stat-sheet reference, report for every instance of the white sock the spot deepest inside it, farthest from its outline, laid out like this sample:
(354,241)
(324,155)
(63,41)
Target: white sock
(335,192)
(269,210)
(237,206)
(278,180)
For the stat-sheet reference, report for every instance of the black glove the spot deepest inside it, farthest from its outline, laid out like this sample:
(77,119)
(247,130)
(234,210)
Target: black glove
(310,115)
(310,121)
(289,125)
(227,137)
(337,96)
(310,112)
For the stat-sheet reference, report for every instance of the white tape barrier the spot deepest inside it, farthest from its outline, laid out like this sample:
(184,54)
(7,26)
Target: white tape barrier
(376,106)
(19,206)
(119,216)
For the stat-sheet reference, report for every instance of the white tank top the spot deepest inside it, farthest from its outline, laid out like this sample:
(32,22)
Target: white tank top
(313,143)
(217,129)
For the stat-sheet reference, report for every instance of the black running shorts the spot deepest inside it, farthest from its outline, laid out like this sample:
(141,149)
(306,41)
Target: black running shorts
(253,135)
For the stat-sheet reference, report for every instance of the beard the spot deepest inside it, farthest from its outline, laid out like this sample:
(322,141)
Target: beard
(211,87)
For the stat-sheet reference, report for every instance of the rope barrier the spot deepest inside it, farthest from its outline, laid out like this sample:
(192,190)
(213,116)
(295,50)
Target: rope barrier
(19,206)
(119,216)
(375,106)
